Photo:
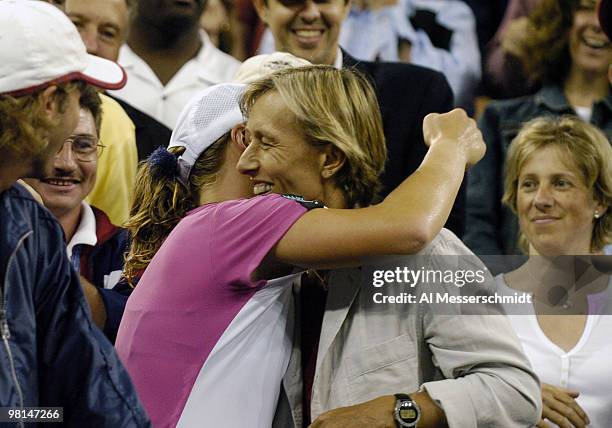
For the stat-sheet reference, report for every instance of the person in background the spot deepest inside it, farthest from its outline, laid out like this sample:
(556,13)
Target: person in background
(216,21)
(504,76)
(440,35)
(406,93)
(104,27)
(168,58)
(117,170)
(52,353)
(95,246)
(571,55)
(559,183)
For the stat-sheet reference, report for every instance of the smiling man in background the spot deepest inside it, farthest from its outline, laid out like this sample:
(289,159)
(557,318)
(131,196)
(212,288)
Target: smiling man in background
(95,246)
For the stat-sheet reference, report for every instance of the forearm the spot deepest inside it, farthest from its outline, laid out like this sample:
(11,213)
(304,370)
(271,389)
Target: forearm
(425,199)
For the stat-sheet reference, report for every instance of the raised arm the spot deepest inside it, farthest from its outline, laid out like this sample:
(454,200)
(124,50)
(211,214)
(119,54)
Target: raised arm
(408,218)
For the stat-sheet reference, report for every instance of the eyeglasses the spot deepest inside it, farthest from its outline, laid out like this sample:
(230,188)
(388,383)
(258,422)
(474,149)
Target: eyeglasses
(84,148)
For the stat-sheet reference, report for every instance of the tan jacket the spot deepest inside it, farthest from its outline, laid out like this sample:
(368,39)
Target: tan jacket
(472,365)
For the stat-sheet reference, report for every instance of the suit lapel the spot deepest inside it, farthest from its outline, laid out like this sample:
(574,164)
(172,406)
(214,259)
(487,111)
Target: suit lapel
(349,62)
(343,288)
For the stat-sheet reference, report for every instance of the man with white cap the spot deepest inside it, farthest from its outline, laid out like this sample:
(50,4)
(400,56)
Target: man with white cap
(52,353)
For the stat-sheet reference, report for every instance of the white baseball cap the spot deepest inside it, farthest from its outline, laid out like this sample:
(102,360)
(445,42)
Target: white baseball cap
(260,66)
(206,118)
(39,46)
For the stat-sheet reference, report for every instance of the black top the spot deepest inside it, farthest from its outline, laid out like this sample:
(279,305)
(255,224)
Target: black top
(406,94)
(150,134)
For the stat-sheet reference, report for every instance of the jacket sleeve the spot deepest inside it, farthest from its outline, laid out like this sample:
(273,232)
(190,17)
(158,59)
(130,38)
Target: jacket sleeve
(483,229)
(488,379)
(78,368)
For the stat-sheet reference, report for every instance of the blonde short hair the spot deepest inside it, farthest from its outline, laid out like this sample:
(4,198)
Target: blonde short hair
(584,146)
(337,107)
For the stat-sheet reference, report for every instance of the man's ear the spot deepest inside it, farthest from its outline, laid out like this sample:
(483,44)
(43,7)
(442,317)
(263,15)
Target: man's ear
(50,102)
(333,161)
(261,8)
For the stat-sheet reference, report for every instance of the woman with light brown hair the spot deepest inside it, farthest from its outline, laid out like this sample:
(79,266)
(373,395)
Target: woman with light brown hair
(212,308)
(559,183)
(563,48)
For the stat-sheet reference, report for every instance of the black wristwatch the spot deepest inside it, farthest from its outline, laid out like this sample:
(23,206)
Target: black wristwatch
(407,412)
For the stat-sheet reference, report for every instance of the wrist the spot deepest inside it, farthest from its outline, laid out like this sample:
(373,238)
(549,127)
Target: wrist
(407,412)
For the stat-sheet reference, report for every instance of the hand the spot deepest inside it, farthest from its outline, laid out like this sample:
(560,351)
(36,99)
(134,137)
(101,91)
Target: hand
(559,406)
(377,413)
(457,128)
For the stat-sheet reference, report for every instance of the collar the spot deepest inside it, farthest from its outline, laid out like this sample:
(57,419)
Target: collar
(207,60)
(339,59)
(86,231)
(553,97)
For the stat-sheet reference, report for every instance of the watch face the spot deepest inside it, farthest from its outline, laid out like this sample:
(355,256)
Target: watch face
(407,412)
(408,415)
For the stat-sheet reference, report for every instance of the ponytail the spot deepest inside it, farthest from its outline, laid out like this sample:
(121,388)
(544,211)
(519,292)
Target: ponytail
(161,201)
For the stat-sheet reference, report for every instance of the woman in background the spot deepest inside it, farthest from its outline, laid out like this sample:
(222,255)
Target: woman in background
(559,184)
(563,48)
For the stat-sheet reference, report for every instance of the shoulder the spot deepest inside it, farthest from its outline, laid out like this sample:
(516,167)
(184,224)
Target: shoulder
(263,205)
(214,63)
(22,215)
(114,118)
(400,73)
(514,107)
(105,229)
(21,203)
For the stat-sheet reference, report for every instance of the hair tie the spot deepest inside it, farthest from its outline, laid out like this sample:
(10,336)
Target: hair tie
(163,164)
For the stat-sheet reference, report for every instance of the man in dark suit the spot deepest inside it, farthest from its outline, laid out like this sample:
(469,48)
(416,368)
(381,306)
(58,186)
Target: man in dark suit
(406,93)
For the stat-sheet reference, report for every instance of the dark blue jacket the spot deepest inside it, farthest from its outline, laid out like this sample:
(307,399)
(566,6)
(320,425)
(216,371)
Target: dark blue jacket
(102,259)
(51,353)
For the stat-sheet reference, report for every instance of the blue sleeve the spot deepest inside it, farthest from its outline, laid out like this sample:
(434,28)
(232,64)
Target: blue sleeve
(78,367)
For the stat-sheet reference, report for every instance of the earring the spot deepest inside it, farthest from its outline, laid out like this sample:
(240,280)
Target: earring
(596,215)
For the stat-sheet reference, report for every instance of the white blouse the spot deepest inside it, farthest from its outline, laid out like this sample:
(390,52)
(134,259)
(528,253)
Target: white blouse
(586,368)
